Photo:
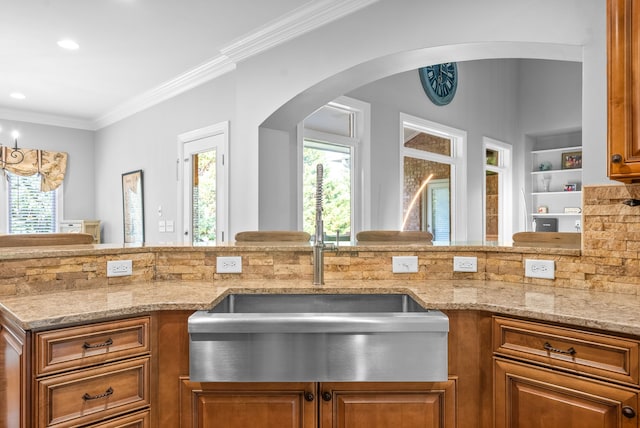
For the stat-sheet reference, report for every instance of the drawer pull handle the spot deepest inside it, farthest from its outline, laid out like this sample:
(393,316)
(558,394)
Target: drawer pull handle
(628,412)
(550,348)
(87,397)
(107,342)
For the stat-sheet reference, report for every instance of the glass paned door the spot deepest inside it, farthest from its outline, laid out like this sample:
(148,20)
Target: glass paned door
(203,198)
(203,162)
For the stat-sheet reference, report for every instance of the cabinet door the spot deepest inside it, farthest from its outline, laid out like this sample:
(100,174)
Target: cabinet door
(388,405)
(241,405)
(623,90)
(533,397)
(13,378)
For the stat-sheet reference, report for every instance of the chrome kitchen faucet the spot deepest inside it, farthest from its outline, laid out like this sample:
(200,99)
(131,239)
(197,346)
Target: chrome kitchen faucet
(318,245)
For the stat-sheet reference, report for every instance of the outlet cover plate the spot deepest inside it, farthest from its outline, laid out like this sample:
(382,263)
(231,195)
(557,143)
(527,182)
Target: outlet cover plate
(229,264)
(465,264)
(119,268)
(404,264)
(539,268)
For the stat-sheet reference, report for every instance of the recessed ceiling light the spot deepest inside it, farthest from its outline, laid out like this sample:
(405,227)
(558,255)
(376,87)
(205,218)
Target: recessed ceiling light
(17,96)
(68,44)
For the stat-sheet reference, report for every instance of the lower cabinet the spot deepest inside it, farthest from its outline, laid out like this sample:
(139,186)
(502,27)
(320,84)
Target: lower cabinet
(14,376)
(388,405)
(528,396)
(324,405)
(256,405)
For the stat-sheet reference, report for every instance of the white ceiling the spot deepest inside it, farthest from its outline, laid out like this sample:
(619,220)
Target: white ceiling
(134,53)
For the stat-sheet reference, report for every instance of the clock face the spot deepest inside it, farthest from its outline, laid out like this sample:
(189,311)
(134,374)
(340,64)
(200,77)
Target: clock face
(440,82)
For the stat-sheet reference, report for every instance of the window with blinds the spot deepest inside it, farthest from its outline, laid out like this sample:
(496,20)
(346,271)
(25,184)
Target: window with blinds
(30,210)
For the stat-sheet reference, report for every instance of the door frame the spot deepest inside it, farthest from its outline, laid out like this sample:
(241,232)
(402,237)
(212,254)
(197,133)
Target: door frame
(222,187)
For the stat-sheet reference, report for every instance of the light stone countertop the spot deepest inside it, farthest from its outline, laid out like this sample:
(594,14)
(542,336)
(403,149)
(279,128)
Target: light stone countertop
(18,253)
(606,311)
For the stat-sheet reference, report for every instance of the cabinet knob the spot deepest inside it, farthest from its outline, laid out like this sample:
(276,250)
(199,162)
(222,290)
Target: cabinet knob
(309,396)
(628,412)
(326,396)
(616,158)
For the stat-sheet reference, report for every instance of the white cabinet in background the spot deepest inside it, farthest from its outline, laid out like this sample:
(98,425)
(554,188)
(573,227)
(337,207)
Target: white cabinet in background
(91,227)
(556,187)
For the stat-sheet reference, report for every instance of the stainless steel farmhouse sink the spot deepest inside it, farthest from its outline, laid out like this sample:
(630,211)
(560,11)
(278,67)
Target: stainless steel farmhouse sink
(318,337)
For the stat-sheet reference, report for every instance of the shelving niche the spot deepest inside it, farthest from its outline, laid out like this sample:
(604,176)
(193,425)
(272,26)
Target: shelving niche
(549,178)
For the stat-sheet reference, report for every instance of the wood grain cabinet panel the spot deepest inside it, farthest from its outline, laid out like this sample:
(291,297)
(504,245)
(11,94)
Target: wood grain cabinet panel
(85,396)
(604,356)
(14,377)
(388,405)
(241,405)
(83,346)
(623,43)
(136,420)
(532,397)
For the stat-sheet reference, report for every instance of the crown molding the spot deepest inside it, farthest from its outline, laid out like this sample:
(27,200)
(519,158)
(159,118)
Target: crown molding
(47,119)
(287,27)
(294,24)
(184,82)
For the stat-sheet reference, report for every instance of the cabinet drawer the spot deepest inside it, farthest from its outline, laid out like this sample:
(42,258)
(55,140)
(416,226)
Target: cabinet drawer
(92,395)
(79,347)
(136,420)
(579,351)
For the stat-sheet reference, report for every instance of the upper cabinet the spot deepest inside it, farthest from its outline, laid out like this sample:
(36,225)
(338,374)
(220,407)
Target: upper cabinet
(623,147)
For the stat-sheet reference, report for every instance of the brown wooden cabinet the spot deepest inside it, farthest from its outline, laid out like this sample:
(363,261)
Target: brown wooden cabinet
(552,376)
(256,405)
(90,374)
(388,405)
(623,139)
(527,396)
(327,405)
(14,376)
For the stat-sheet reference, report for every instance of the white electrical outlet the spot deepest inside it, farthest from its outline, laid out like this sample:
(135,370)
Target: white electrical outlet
(539,268)
(229,264)
(404,264)
(465,264)
(119,268)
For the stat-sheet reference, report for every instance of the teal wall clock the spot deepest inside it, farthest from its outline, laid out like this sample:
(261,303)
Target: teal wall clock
(440,82)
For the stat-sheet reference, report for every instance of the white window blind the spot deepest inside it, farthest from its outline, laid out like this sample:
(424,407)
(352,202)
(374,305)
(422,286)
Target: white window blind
(30,210)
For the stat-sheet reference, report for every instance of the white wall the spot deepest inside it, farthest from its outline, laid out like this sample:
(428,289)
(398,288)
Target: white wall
(501,99)
(148,141)
(399,40)
(485,105)
(386,38)
(78,196)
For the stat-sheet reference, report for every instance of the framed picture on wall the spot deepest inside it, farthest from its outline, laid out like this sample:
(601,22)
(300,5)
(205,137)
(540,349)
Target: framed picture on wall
(133,207)
(571,160)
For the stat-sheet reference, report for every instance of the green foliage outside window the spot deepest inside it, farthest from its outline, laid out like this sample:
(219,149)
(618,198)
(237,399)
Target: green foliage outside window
(336,163)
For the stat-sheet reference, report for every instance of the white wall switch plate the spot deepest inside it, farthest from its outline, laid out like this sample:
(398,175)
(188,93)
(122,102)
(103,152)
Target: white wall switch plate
(404,264)
(539,268)
(465,264)
(229,264)
(169,225)
(119,268)
(161,226)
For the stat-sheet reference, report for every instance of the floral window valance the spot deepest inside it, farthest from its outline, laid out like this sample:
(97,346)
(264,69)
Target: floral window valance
(51,166)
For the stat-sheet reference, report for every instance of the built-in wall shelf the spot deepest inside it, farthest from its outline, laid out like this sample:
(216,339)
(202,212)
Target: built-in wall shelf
(556,179)
(556,214)
(576,192)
